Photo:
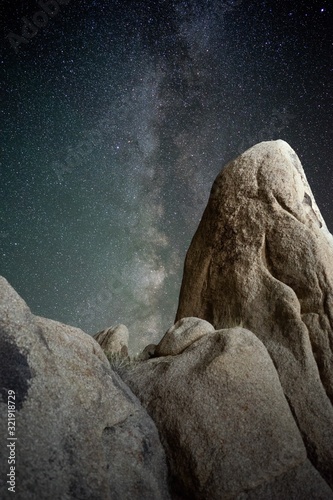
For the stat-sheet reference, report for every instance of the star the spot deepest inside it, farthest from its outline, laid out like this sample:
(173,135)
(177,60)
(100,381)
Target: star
(116,124)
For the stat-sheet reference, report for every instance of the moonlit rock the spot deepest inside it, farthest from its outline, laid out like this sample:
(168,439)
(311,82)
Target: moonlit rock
(262,253)
(181,335)
(114,340)
(81,433)
(224,421)
(240,389)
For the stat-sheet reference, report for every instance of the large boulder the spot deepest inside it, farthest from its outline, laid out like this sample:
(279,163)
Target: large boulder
(263,257)
(224,420)
(81,433)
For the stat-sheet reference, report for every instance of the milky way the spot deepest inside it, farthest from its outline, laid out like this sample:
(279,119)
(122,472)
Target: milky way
(116,120)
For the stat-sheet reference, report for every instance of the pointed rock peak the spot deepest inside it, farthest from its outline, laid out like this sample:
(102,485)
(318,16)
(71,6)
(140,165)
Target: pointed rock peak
(262,255)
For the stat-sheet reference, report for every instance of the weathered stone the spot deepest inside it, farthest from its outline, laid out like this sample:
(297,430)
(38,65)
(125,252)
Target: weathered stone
(147,353)
(224,421)
(114,340)
(80,431)
(181,335)
(262,255)
(301,483)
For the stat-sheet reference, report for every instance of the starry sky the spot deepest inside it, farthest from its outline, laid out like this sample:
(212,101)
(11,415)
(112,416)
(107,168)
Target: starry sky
(115,119)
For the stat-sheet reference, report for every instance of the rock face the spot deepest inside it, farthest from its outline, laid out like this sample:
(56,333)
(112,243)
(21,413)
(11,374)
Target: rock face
(262,255)
(240,388)
(81,433)
(223,418)
(114,340)
(181,335)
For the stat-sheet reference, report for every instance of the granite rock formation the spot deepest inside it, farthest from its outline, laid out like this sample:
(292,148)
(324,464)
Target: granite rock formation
(114,340)
(240,389)
(262,255)
(223,418)
(81,433)
(181,335)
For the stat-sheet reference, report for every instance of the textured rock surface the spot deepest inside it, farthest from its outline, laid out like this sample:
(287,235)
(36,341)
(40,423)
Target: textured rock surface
(224,421)
(80,431)
(262,255)
(114,340)
(177,338)
(181,335)
(147,353)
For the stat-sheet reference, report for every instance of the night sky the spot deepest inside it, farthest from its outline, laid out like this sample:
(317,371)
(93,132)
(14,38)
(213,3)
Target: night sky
(115,119)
